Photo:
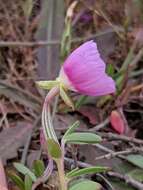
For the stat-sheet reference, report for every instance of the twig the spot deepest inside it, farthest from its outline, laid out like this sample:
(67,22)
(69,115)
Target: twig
(136,73)
(18,94)
(111,152)
(137,58)
(100,126)
(4,118)
(99,12)
(27,43)
(105,149)
(49,43)
(93,129)
(70,162)
(138,87)
(129,180)
(106,181)
(3,183)
(112,136)
(26,147)
(114,154)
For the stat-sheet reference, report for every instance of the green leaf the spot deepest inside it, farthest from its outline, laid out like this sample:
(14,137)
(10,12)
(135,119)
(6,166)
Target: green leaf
(82,138)
(103,100)
(66,40)
(119,82)
(54,149)
(72,171)
(71,129)
(80,101)
(136,159)
(66,98)
(110,70)
(28,182)
(86,185)
(120,185)
(17,180)
(84,171)
(24,170)
(38,168)
(47,84)
(137,174)
(128,59)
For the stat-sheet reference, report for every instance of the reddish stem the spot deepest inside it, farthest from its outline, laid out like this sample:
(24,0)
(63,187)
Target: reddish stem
(51,94)
(3,183)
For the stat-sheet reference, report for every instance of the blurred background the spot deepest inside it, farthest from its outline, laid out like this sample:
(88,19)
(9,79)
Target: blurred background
(36,36)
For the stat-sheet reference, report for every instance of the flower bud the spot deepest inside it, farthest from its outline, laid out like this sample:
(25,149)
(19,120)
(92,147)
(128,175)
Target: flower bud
(117,122)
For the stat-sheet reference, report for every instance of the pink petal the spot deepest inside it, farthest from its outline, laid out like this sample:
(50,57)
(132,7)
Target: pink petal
(85,71)
(3,188)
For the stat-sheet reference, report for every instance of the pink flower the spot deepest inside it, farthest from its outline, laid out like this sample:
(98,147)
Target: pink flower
(84,72)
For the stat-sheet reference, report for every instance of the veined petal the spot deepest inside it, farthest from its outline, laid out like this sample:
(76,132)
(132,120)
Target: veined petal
(85,71)
(103,86)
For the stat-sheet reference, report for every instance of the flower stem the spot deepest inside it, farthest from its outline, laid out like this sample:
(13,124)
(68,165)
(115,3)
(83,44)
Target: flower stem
(63,182)
(49,132)
(47,125)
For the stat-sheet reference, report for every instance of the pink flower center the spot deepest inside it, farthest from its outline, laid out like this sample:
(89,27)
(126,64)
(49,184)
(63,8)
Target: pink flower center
(63,78)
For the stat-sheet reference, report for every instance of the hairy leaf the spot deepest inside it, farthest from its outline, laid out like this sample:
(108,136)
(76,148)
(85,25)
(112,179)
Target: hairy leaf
(28,182)
(84,171)
(82,138)
(136,159)
(38,168)
(71,129)
(86,185)
(24,170)
(17,180)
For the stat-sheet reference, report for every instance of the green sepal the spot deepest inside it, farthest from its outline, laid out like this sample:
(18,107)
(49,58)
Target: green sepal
(66,98)
(54,149)
(47,84)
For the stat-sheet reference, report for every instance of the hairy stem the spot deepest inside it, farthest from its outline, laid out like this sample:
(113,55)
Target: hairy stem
(60,166)
(48,128)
